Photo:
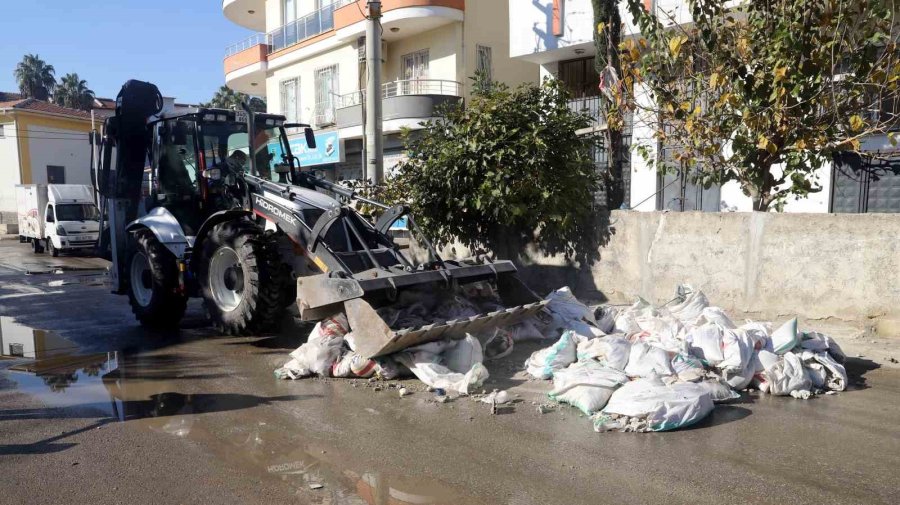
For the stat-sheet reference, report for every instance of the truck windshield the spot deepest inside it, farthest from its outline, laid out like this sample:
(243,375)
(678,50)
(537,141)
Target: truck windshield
(77,212)
(227,143)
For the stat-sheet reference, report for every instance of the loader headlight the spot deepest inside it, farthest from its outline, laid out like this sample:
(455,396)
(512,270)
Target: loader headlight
(60,231)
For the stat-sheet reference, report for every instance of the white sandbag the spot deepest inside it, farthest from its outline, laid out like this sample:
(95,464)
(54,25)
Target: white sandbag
(719,390)
(606,318)
(543,363)
(837,374)
(692,306)
(626,320)
(499,345)
(316,356)
(786,375)
(740,379)
(586,385)
(715,315)
(688,368)
(565,312)
(816,372)
(328,328)
(645,359)
(462,356)
(664,329)
(663,407)
(785,337)
(737,348)
(525,331)
(818,342)
(428,369)
(387,368)
(611,351)
(353,364)
(705,342)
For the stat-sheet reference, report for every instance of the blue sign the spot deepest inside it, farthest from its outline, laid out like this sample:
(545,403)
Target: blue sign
(328,149)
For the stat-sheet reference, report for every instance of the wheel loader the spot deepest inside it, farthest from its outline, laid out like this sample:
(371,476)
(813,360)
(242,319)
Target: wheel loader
(213,204)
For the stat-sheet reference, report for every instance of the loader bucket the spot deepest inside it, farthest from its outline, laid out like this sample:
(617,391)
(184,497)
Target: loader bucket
(321,296)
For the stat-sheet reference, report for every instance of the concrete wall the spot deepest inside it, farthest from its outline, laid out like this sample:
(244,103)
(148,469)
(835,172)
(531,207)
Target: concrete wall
(814,265)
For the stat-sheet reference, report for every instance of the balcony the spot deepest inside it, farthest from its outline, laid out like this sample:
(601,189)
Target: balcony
(405,103)
(250,14)
(246,64)
(408,16)
(305,28)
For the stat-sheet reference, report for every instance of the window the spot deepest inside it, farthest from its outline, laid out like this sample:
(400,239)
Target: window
(77,212)
(326,94)
(580,77)
(484,62)
(177,167)
(290,99)
(289,11)
(49,216)
(415,68)
(56,174)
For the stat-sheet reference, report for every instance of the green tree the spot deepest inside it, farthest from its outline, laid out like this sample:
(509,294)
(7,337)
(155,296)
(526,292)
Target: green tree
(607,38)
(765,92)
(503,172)
(35,77)
(227,98)
(73,92)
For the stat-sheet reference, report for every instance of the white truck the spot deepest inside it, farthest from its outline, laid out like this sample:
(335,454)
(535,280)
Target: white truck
(58,217)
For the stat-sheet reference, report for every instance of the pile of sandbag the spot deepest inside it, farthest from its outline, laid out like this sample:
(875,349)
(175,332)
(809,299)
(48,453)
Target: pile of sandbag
(649,368)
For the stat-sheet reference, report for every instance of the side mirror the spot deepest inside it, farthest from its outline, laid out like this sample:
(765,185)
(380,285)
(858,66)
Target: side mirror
(310,138)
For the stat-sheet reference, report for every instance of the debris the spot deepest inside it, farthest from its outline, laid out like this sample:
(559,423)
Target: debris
(496,398)
(316,486)
(893,360)
(802,394)
(404,392)
(544,409)
(442,398)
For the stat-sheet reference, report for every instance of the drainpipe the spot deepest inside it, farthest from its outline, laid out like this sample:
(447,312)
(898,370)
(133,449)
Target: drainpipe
(374,128)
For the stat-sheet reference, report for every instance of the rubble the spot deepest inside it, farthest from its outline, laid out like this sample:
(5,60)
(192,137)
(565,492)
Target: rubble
(633,369)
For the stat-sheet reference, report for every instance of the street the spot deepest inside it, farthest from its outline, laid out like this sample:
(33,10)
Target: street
(104,411)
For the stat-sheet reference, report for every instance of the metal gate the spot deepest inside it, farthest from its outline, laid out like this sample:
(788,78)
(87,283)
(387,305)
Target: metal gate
(865,183)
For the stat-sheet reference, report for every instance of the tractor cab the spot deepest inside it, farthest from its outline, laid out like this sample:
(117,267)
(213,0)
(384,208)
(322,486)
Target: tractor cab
(199,162)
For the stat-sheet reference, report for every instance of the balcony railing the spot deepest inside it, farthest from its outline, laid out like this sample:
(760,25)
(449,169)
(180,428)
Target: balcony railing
(308,26)
(405,88)
(314,23)
(589,105)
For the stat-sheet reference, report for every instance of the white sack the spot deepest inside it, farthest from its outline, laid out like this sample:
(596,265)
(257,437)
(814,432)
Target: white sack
(737,348)
(785,376)
(645,359)
(837,374)
(586,386)
(464,355)
(692,307)
(565,312)
(715,315)
(719,390)
(818,342)
(428,369)
(705,342)
(664,407)
(525,331)
(785,337)
(316,356)
(606,318)
(611,350)
(543,363)
(688,368)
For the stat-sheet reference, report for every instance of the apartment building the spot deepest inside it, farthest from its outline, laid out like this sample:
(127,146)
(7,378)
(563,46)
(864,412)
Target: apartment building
(557,36)
(308,61)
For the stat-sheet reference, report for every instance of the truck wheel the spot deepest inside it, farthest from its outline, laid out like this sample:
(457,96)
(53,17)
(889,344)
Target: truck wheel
(23,239)
(239,278)
(52,250)
(153,284)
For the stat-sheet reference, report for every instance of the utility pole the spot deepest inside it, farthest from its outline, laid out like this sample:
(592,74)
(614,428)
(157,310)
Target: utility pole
(374,137)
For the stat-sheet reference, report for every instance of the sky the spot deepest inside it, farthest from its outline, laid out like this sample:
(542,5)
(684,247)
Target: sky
(178,45)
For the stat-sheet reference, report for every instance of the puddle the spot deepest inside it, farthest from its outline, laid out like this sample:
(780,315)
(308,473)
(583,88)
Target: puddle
(85,280)
(151,391)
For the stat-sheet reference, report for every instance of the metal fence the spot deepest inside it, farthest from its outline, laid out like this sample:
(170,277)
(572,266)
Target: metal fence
(251,41)
(306,27)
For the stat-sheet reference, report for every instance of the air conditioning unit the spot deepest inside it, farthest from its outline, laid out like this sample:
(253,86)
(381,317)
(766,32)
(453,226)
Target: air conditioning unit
(361,50)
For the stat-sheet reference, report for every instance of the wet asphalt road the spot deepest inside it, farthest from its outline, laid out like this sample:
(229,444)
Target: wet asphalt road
(110,413)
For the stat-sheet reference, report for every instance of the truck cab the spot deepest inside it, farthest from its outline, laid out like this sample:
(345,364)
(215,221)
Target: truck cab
(71,219)
(58,217)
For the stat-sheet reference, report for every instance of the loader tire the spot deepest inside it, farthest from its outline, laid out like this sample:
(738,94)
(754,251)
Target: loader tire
(239,279)
(153,284)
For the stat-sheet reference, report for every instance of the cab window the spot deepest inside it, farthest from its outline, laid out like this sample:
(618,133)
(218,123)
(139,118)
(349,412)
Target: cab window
(177,163)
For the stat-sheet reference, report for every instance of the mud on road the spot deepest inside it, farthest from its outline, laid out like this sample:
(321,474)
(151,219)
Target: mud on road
(94,408)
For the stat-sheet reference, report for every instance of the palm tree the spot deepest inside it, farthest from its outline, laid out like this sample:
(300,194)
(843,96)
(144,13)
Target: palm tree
(35,77)
(227,98)
(73,92)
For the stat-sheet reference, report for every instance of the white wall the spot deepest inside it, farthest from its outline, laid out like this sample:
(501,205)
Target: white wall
(62,147)
(531,29)
(9,167)
(345,57)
